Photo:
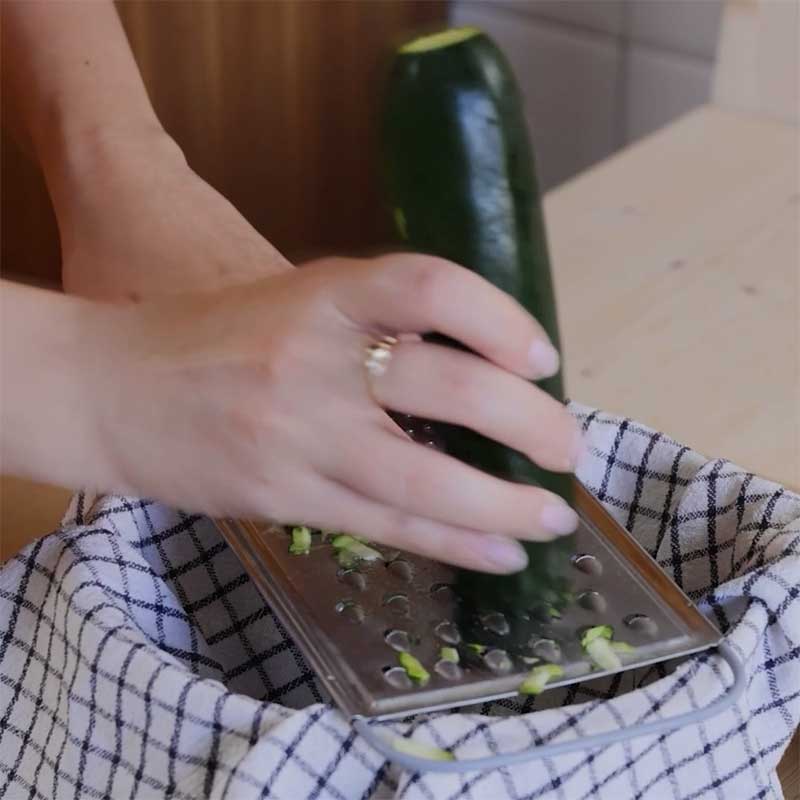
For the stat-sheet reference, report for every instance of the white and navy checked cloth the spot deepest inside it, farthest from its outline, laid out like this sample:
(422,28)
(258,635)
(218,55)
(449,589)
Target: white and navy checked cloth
(137,660)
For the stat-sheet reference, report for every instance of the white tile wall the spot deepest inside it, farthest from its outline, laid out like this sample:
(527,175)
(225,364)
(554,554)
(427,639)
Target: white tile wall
(597,74)
(681,26)
(660,86)
(605,16)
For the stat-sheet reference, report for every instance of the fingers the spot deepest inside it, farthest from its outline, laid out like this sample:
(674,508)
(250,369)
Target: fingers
(432,485)
(445,384)
(331,505)
(415,293)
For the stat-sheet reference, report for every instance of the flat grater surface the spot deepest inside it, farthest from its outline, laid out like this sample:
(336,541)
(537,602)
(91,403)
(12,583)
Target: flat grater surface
(352,624)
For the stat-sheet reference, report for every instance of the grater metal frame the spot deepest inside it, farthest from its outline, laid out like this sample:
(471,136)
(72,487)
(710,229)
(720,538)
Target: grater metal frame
(264,557)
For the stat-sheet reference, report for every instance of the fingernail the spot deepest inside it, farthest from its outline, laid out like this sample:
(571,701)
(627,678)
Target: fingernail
(558,518)
(543,358)
(506,554)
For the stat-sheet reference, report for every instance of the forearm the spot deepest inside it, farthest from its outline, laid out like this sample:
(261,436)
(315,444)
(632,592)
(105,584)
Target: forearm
(134,220)
(52,350)
(70,76)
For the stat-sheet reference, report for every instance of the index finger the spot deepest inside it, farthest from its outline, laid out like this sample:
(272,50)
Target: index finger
(422,294)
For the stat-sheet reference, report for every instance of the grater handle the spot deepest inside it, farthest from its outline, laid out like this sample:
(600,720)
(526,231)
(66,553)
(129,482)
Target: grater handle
(418,764)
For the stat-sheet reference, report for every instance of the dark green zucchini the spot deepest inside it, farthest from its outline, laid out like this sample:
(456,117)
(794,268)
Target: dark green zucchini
(462,186)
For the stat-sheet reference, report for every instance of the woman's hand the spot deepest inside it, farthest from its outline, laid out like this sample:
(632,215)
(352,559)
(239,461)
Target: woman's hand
(254,401)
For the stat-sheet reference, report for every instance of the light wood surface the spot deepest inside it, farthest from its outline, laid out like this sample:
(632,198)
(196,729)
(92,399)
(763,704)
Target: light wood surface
(27,511)
(677,271)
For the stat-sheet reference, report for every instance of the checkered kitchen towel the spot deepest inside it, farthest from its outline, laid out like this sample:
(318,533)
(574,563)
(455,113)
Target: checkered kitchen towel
(137,660)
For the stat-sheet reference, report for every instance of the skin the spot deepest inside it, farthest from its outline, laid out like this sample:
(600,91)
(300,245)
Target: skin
(192,363)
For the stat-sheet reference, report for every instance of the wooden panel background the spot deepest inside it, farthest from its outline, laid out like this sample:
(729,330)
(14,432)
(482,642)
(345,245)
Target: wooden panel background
(274,103)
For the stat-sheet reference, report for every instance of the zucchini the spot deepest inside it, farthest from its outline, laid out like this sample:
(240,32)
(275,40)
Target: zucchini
(462,186)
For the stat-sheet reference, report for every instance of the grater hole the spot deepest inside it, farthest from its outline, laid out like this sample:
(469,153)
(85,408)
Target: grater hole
(495,622)
(588,564)
(443,592)
(401,569)
(398,640)
(547,650)
(429,436)
(397,603)
(448,632)
(593,601)
(641,623)
(351,611)
(421,433)
(397,677)
(354,578)
(498,661)
(448,670)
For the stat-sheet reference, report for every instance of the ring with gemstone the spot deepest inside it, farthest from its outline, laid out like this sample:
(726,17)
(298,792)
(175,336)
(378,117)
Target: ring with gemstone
(378,355)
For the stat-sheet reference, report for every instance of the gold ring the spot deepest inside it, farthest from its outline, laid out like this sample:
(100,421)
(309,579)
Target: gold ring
(378,355)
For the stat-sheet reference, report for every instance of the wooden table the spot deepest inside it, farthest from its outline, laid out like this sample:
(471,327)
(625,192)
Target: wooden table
(677,275)
(677,268)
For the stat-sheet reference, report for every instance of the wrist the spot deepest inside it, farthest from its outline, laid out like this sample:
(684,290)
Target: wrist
(57,354)
(72,159)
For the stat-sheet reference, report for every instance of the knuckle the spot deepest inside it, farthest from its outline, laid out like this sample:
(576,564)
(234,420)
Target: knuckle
(413,485)
(465,386)
(400,525)
(427,282)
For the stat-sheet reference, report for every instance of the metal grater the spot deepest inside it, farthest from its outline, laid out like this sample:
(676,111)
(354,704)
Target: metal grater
(351,624)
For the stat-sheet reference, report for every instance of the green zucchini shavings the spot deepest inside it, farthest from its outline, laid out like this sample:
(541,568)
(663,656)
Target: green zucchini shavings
(597,632)
(596,643)
(301,541)
(539,677)
(358,550)
(414,668)
(449,654)
(480,649)
(414,748)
